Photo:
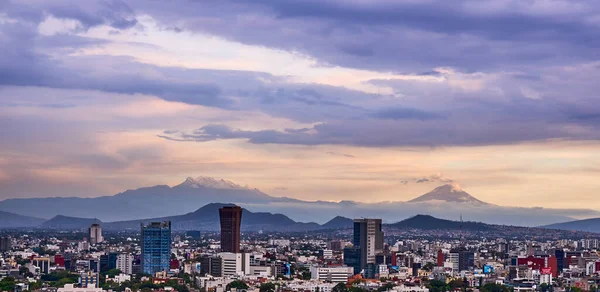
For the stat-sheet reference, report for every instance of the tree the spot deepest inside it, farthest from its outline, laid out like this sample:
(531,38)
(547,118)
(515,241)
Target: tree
(386,287)
(237,284)
(428,267)
(457,283)
(438,286)
(7,284)
(267,287)
(340,287)
(493,287)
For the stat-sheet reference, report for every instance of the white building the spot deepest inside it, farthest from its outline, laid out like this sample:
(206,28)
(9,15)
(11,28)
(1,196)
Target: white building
(72,288)
(453,259)
(234,264)
(310,286)
(403,288)
(125,263)
(120,278)
(332,274)
(262,271)
(83,246)
(327,253)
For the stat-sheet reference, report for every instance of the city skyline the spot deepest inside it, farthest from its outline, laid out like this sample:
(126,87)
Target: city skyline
(314,101)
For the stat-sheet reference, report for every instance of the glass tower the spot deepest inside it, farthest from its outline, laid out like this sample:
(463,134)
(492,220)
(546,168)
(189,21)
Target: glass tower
(156,247)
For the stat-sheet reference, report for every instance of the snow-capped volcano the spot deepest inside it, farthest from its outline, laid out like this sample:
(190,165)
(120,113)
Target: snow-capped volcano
(209,182)
(449,193)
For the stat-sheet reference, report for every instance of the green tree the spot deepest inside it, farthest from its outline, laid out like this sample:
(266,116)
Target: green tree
(438,286)
(7,284)
(493,287)
(340,287)
(267,287)
(428,267)
(237,284)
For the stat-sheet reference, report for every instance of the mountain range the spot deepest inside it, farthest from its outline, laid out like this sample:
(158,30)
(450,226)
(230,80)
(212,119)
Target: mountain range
(448,201)
(586,225)
(12,220)
(206,219)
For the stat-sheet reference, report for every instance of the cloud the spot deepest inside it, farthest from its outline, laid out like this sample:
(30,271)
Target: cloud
(401,35)
(340,154)
(404,113)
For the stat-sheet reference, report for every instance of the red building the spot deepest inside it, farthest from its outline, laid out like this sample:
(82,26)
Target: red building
(59,260)
(440,258)
(539,263)
(174,264)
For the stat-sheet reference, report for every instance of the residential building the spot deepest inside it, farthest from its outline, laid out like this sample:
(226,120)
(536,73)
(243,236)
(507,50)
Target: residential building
(125,263)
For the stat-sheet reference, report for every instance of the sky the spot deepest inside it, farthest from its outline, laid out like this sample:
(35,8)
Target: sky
(334,100)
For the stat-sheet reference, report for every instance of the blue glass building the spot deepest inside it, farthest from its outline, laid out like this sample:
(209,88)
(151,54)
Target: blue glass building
(352,258)
(156,247)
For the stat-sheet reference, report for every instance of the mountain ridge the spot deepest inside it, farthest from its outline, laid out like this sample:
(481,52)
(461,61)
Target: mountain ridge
(165,201)
(585,225)
(12,220)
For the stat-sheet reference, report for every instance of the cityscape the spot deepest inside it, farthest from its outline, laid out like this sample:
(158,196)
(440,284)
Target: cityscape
(299,146)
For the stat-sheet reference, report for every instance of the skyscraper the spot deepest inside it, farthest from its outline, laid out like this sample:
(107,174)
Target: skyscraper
(95,234)
(5,244)
(231,220)
(156,247)
(368,240)
(440,258)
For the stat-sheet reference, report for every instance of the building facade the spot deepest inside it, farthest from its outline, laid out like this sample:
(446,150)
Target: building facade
(95,234)
(368,242)
(231,220)
(125,263)
(156,247)
(331,274)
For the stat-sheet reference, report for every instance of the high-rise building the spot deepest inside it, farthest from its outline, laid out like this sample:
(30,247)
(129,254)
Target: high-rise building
(125,263)
(440,258)
(560,257)
(352,258)
(95,234)
(156,247)
(231,220)
(211,266)
(5,244)
(368,241)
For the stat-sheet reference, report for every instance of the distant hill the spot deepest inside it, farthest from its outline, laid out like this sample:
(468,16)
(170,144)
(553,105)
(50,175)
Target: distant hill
(11,220)
(586,225)
(207,218)
(426,222)
(66,222)
(339,222)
